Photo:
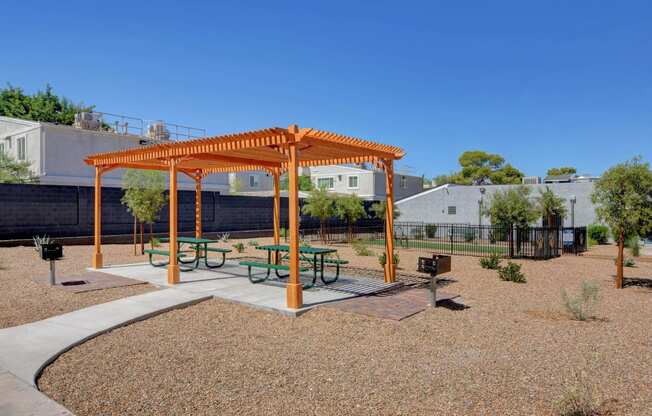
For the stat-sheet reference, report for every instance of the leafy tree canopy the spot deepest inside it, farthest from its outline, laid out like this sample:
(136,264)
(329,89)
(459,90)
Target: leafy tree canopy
(13,171)
(144,193)
(319,204)
(41,106)
(479,167)
(349,208)
(512,207)
(305,184)
(551,206)
(380,208)
(623,198)
(565,170)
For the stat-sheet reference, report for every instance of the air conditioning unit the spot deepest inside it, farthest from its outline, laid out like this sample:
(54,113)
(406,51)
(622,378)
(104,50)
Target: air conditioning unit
(531,180)
(88,121)
(158,131)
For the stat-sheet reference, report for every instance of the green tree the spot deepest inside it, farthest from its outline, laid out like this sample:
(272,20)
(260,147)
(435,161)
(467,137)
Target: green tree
(623,199)
(144,196)
(564,170)
(551,206)
(480,167)
(320,204)
(351,209)
(305,183)
(41,106)
(511,208)
(380,208)
(13,171)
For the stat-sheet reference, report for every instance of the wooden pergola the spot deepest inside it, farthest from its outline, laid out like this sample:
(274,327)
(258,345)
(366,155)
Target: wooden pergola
(275,150)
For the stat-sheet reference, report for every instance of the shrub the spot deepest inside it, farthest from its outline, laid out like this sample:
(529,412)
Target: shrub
(591,242)
(634,245)
(581,306)
(512,273)
(382,259)
(360,248)
(469,235)
(239,247)
(224,237)
(431,230)
(492,262)
(598,232)
(253,243)
(577,400)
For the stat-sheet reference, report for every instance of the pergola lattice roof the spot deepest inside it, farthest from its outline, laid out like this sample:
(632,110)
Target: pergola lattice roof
(260,149)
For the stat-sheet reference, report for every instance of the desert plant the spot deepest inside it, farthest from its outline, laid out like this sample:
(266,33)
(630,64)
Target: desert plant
(224,237)
(512,273)
(360,248)
(154,242)
(598,233)
(633,243)
(382,259)
(253,243)
(581,305)
(239,247)
(628,262)
(492,262)
(431,230)
(578,399)
(38,241)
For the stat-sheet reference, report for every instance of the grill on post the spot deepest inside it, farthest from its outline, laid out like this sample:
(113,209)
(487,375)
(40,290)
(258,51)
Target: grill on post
(51,252)
(436,265)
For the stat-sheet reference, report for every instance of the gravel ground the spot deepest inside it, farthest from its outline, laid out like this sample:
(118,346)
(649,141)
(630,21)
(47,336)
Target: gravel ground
(514,351)
(24,301)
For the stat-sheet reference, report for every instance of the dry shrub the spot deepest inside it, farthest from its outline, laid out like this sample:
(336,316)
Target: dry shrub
(581,306)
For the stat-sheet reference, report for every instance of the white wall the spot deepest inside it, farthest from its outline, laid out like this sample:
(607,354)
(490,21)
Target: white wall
(264,180)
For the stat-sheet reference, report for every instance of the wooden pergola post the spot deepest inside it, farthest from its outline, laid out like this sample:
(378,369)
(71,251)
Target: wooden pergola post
(390,268)
(97,254)
(294,286)
(198,225)
(277,208)
(173,266)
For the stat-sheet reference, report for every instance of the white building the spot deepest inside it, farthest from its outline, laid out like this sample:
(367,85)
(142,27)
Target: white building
(368,184)
(56,153)
(251,182)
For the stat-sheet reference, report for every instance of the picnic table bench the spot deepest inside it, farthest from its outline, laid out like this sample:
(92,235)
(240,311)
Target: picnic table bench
(315,256)
(164,253)
(201,249)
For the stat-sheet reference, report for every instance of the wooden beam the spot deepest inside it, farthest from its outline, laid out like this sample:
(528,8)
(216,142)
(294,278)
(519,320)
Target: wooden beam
(97,252)
(173,266)
(294,286)
(277,209)
(390,268)
(233,160)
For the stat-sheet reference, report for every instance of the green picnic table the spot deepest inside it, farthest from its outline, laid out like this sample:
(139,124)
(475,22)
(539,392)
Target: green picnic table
(316,256)
(201,249)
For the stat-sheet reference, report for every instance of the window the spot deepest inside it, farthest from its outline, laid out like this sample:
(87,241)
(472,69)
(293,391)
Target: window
(452,210)
(253,181)
(327,183)
(21,151)
(353,182)
(403,182)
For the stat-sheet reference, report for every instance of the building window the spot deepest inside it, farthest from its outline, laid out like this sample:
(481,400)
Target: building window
(253,181)
(327,183)
(452,210)
(353,182)
(403,182)
(21,151)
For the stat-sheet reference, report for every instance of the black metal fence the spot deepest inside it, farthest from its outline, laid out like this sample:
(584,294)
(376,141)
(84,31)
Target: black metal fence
(461,239)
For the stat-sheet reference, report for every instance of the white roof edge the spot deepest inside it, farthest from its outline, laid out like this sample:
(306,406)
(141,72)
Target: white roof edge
(422,193)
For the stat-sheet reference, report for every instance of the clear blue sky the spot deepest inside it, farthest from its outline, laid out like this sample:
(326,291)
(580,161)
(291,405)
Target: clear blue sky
(543,83)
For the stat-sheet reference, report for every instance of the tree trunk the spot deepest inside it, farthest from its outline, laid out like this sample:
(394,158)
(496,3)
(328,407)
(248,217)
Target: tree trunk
(620,260)
(135,238)
(151,232)
(142,240)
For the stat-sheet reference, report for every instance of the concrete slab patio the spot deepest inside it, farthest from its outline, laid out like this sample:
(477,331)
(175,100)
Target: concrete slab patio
(230,282)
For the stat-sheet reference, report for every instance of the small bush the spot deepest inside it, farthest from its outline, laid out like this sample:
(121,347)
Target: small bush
(239,247)
(382,259)
(431,230)
(598,233)
(360,248)
(253,243)
(469,235)
(591,242)
(492,262)
(581,306)
(627,262)
(512,273)
(634,245)
(578,399)
(224,237)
